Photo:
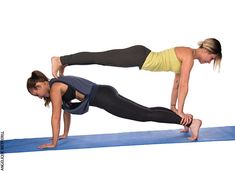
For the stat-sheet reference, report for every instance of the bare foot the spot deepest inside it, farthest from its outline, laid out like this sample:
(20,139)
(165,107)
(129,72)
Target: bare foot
(56,66)
(186,129)
(195,127)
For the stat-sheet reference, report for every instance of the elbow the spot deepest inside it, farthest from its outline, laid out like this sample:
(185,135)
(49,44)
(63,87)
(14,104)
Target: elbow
(183,87)
(55,118)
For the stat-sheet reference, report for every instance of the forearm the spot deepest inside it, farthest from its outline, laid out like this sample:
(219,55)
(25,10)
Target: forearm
(183,91)
(67,121)
(55,122)
(174,96)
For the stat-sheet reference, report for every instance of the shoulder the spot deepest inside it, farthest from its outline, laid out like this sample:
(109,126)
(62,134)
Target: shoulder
(184,53)
(57,85)
(61,82)
(58,88)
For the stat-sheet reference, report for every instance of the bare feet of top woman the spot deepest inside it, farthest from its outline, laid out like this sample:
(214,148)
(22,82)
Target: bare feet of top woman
(56,66)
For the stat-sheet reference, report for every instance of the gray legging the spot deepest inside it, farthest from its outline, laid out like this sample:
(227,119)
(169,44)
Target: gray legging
(107,98)
(129,57)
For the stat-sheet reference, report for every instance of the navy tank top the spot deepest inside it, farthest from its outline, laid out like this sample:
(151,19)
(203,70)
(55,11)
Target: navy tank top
(82,85)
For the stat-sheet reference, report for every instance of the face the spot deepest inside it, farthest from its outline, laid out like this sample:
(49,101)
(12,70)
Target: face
(206,57)
(41,90)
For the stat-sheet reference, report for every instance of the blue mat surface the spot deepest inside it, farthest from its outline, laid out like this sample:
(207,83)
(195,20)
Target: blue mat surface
(120,139)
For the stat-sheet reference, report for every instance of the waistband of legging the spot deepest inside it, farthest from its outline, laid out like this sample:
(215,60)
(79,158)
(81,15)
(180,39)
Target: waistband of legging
(93,93)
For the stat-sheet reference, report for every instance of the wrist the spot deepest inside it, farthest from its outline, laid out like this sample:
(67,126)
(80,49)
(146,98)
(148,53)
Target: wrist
(65,135)
(54,142)
(173,106)
(180,113)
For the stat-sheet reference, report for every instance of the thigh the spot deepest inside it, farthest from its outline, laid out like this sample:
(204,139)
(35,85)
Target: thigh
(107,98)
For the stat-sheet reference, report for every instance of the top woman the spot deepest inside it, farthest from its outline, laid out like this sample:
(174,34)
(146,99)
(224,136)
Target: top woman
(179,60)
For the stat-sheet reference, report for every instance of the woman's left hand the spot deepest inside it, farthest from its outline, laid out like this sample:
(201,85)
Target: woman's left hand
(186,119)
(43,146)
(63,137)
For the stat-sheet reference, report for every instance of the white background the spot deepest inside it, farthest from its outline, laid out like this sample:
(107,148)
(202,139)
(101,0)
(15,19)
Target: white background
(33,31)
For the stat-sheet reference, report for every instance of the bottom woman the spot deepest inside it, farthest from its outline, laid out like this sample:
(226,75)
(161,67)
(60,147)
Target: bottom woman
(62,90)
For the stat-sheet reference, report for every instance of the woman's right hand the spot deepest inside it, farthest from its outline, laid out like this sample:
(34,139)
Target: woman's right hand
(185,119)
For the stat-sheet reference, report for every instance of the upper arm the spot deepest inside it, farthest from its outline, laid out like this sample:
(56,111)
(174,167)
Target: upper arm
(56,99)
(186,67)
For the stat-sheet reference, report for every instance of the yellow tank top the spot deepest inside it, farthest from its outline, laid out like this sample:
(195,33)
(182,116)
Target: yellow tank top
(162,61)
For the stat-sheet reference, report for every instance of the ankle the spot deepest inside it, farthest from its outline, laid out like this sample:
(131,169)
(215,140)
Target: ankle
(56,59)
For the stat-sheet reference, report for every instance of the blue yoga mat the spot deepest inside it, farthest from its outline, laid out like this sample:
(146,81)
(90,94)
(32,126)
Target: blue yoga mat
(120,139)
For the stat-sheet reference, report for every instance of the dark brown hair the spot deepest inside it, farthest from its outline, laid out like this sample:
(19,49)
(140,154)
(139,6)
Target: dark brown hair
(37,76)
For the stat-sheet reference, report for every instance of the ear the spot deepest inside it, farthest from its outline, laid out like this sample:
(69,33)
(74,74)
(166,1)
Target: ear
(38,86)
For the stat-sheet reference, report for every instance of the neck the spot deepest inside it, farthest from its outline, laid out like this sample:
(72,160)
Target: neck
(195,54)
(48,87)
